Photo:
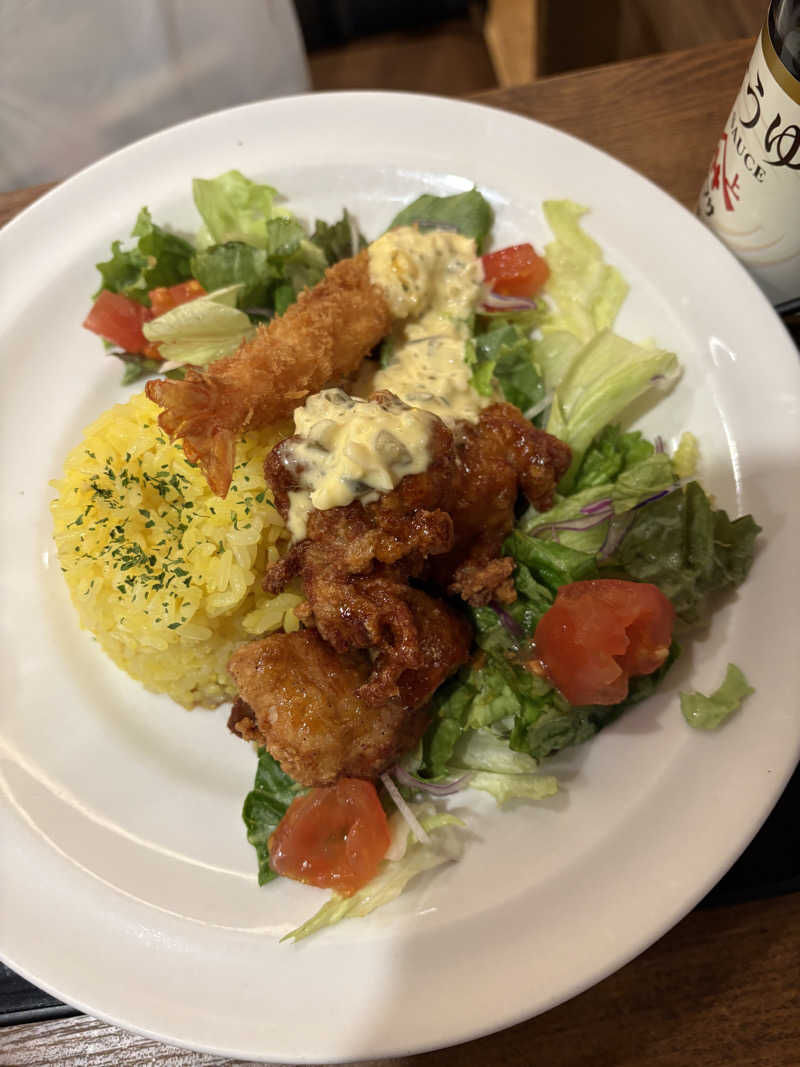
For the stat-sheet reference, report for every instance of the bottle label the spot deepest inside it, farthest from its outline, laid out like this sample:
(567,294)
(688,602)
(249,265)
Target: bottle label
(751,196)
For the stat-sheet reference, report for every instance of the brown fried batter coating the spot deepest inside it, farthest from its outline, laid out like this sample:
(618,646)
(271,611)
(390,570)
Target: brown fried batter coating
(300,698)
(346,697)
(356,561)
(320,338)
(497,457)
(445,526)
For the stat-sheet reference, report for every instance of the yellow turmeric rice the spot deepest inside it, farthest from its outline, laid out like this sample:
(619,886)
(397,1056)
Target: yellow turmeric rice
(163,573)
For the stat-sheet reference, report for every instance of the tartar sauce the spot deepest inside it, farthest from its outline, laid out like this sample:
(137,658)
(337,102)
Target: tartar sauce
(351,449)
(432,282)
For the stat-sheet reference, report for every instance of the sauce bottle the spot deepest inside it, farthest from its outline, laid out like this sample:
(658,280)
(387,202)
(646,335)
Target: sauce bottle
(751,195)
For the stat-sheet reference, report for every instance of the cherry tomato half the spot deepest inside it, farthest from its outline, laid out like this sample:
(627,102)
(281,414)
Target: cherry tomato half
(598,634)
(119,320)
(515,271)
(165,298)
(333,837)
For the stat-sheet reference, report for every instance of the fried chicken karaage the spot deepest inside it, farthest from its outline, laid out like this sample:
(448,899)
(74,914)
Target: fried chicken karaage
(300,698)
(444,526)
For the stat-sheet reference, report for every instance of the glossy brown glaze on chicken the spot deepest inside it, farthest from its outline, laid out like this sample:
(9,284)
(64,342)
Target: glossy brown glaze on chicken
(348,695)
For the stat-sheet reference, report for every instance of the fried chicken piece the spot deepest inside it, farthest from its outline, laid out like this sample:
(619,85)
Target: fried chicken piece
(481,582)
(497,457)
(321,337)
(300,698)
(356,561)
(445,525)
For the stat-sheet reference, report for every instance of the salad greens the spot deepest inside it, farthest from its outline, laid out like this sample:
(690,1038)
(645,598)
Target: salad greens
(587,291)
(201,330)
(233,208)
(625,509)
(250,253)
(707,713)
(157,258)
(688,549)
(468,213)
(604,377)
(503,354)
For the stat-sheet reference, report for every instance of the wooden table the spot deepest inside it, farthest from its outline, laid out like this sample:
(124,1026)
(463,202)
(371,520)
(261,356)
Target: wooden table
(723,987)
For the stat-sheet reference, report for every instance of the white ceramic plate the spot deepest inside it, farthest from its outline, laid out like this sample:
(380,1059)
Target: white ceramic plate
(128,887)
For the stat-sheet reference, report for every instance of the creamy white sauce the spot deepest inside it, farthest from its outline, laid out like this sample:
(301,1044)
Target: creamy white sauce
(351,449)
(354,449)
(432,282)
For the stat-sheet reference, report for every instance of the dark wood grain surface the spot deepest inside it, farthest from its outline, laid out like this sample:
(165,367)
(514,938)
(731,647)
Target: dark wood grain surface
(723,987)
(661,115)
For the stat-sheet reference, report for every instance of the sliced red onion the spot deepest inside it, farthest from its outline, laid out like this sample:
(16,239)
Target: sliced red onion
(413,822)
(588,522)
(497,303)
(507,620)
(604,504)
(436,789)
(655,496)
(617,529)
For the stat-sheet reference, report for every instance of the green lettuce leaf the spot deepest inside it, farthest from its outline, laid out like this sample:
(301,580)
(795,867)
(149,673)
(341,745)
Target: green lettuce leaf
(566,510)
(484,750)
(688,549)
(587,292)
(554,353)
(269,278)
(641,480)
(158,258)
(543,731)
(299,263)
(634,483)
(201,330)
(505,352)
(686,456)
(551,564)
(264,807)
(446,845)
(505,787)
(469,213)
(707,713)
(610,453)
(235,263)
(607,375)
(497,769)
(338,240)
(234,208)
(138,367)
(449,709)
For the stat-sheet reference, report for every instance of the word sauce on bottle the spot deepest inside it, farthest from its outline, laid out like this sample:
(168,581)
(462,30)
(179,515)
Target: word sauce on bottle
(751,196)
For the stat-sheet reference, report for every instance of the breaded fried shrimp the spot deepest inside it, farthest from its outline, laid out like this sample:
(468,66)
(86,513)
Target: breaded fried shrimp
(322,337)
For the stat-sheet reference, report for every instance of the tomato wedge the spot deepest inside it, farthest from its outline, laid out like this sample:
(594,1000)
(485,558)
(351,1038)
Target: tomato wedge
(599,634)
(515,271)
(119,320)
(333,837)
(165,298)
